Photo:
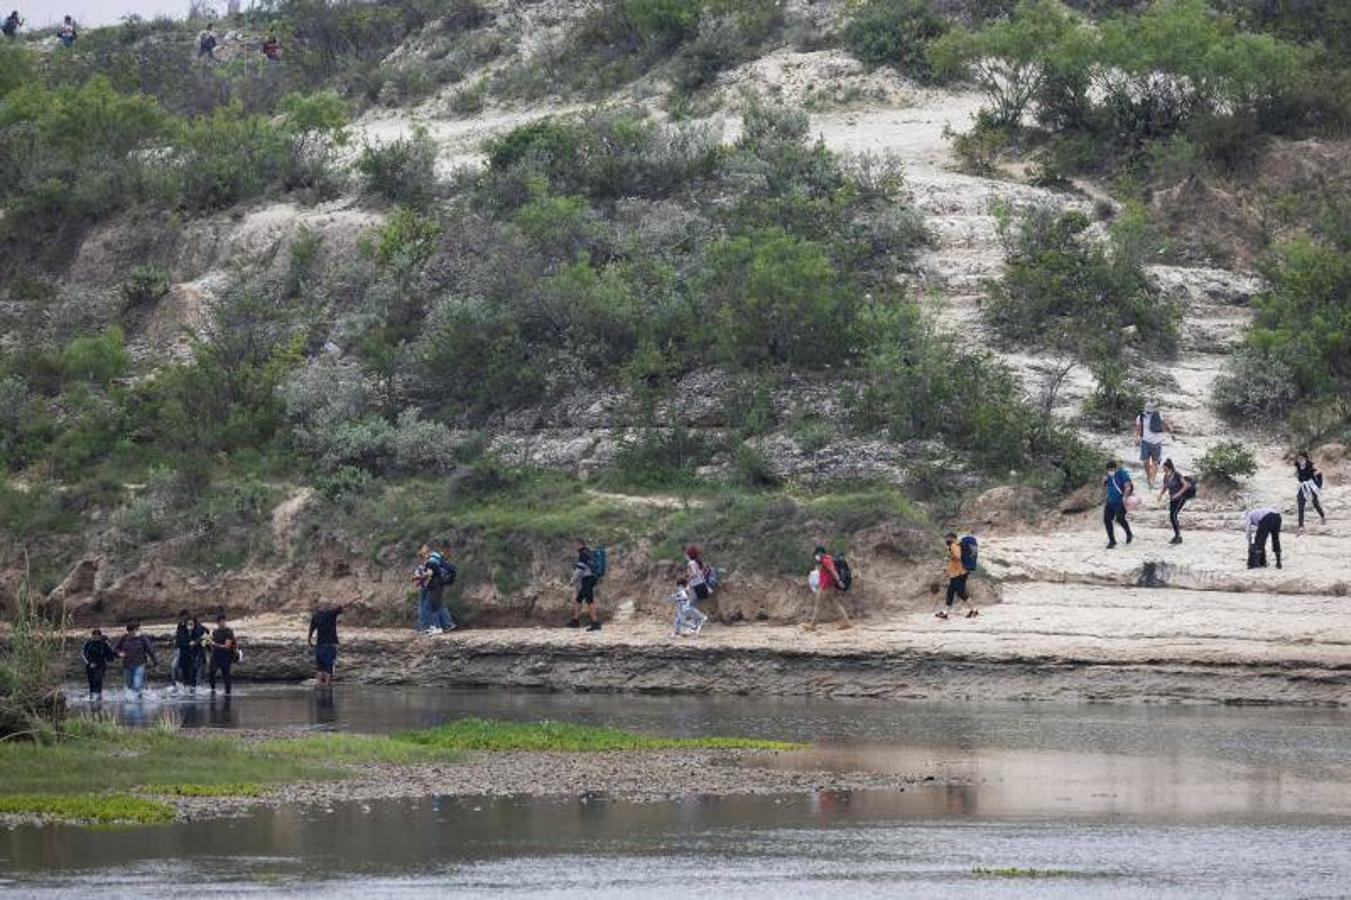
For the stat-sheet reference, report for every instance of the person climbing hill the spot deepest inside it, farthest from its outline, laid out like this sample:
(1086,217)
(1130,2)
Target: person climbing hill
(1149,431)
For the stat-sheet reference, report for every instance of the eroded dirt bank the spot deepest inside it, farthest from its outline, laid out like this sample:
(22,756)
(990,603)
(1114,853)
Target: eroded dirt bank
(1131,647)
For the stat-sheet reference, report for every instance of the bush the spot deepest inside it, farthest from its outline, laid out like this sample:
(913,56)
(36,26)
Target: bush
(1062,289)
(1227,462)
(894,33)
(778,299)
(146,284)
(95,359)
(402,171)
(1255,388)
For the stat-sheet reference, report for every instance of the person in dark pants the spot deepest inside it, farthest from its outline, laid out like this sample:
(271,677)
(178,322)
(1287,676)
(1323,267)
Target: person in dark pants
(1265,522)
(96,654)
(585,576)
(323,638)
(190,660)
(1179,488)
(1119,487)
(957,575)
(181,642)
(135,652)
(1310,479)
(224,646)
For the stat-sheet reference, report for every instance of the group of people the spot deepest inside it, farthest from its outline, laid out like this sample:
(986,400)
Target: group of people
(1261,524)
(66,32)
(208,41)
(194,646)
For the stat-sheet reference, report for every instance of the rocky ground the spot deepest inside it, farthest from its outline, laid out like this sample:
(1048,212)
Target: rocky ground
(634,776)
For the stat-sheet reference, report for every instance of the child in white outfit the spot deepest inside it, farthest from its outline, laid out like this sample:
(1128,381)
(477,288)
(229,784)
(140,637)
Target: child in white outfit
(687,615)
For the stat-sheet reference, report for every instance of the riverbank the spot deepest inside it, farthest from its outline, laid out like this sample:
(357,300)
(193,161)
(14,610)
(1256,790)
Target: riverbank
(1078,643)
(105,774)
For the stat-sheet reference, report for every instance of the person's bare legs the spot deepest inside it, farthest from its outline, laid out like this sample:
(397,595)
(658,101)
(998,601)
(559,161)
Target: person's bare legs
(845,621)
(816,610)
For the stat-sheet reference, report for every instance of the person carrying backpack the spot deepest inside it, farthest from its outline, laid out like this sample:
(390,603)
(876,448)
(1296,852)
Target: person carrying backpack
(206,42)
(1119,487)
(1179,488)
(833,577)
(1310,479)
(587,572)
(702,578)
(1149,431)
(96,654)
(1265,522)
(12,25)
(961,563)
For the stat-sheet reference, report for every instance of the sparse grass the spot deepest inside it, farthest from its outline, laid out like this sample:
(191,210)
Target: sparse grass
(484,734)
(101,808)
(353,748)
(242,789)
(1017,872)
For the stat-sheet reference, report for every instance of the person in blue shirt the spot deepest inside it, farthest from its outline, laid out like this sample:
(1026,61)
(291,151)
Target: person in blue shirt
(1119,487)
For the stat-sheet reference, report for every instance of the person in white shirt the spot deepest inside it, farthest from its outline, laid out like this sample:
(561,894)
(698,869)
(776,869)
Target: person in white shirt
(1263,522)
(687,616)
(1149,431)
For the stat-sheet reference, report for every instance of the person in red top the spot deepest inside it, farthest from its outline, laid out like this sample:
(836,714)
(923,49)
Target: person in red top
(827,582)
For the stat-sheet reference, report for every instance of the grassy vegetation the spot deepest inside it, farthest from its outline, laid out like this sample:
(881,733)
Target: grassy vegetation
(100,808)
(483,734)
(92,772)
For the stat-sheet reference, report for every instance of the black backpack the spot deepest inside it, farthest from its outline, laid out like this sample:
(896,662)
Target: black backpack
(846,574)
(1155,425)
(444,571)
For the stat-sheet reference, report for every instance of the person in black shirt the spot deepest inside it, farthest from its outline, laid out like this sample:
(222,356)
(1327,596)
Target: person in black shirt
(1310,479)
(1179,489)
(223,650)
(181,641)
(190,658)
(96,654)
(323,637)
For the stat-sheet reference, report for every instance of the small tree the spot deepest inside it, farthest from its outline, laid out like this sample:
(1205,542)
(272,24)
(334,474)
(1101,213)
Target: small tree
(32,668)
(1011,58)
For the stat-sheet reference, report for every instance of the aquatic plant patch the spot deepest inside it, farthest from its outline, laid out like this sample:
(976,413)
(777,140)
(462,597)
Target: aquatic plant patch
(101,808)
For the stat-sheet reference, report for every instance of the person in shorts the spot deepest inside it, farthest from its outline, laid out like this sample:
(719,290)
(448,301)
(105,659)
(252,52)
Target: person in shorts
(584,576)
(1150,428)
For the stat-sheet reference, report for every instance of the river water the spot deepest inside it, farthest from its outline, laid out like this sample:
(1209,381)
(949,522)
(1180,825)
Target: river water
(1116,801)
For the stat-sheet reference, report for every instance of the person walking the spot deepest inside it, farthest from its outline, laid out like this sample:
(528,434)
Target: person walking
(586,576)
(191,659)
(206,41)
(224,654)
(1264,522)
(12,25)
(1119,487)
(1149,431)
(182,640)
(96,654)
(1179,488)
(433,575)
(687,615)
(272,48)
(957,573)
(1310,479)
(323,637)
(697,573)
(828,579)
(134,649)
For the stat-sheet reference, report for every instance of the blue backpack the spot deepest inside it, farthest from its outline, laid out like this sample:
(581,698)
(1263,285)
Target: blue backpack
(970,553)
(599,563)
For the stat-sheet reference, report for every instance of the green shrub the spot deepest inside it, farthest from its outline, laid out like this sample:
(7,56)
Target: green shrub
(96,359)
(402,171)
(1255,387)
(1227,462)
(1062,289)
(894,33)
(145,285)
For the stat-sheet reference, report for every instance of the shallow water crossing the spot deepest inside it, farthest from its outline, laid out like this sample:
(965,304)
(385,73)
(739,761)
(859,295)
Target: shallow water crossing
(1027,799)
